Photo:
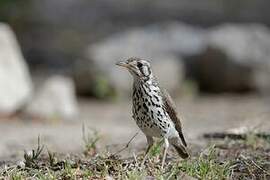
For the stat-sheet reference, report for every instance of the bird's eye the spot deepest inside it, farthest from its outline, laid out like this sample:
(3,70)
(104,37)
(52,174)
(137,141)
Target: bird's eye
(139,64)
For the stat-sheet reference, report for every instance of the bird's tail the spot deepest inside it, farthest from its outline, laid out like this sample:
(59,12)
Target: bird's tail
(181,150)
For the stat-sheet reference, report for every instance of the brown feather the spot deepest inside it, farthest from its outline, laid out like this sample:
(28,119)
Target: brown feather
(171,110)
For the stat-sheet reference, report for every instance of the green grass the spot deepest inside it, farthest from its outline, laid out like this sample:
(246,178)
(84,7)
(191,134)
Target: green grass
(90,138)
(228,159)
(207,166)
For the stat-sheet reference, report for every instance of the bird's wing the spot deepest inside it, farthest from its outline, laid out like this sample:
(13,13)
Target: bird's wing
(171,110)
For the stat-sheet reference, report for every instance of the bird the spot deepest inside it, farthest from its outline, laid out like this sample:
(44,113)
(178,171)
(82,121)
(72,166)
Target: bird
(153,108)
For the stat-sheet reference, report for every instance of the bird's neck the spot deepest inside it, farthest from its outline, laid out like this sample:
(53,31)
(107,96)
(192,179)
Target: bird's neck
(146,81)
(150,83)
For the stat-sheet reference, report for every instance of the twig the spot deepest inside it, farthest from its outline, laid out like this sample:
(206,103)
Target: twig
(223,135)
(135,158)
(248,166)
(127,145)
(255,164)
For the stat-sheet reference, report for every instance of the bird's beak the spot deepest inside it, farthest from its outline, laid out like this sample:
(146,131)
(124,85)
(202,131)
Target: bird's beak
(123,64)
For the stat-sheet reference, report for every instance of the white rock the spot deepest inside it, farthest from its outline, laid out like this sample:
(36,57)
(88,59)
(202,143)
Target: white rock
(237,58)
(15,82)
(149,42)
(243,43)
(56,99)
(169,71)
(162,44)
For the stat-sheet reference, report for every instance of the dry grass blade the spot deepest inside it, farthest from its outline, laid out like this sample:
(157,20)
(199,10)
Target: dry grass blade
(247,161)
(30,158)
(90,140)
(127,145)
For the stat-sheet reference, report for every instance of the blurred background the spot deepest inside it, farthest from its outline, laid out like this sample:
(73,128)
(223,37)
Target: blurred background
(57,67)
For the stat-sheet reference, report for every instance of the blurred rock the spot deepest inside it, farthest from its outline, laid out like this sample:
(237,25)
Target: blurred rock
(16,85)
(237,59)
(55,100)
(151,41)
(163,45)
(54,38)
(90,81)
(169,71)
(261,79)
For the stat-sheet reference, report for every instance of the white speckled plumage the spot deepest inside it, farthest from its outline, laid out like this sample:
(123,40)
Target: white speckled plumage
(148,111)
(153,109)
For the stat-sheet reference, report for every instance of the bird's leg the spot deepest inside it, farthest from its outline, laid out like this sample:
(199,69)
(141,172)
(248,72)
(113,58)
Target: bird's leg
(166,144)
(148,148)
(150,142)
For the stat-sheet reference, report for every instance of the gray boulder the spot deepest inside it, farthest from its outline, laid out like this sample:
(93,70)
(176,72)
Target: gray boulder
(162,44)
(56,99)
(236,59)
(90,81)
(16,85)
(74,19)
(169,38)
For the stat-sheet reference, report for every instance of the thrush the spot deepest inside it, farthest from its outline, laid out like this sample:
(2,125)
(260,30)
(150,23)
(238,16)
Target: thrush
(153,108)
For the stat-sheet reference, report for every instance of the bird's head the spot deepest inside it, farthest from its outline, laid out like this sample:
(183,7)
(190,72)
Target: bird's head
(139,68)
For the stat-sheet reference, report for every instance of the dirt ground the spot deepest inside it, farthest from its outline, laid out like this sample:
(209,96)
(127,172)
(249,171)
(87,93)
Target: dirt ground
(113,122)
